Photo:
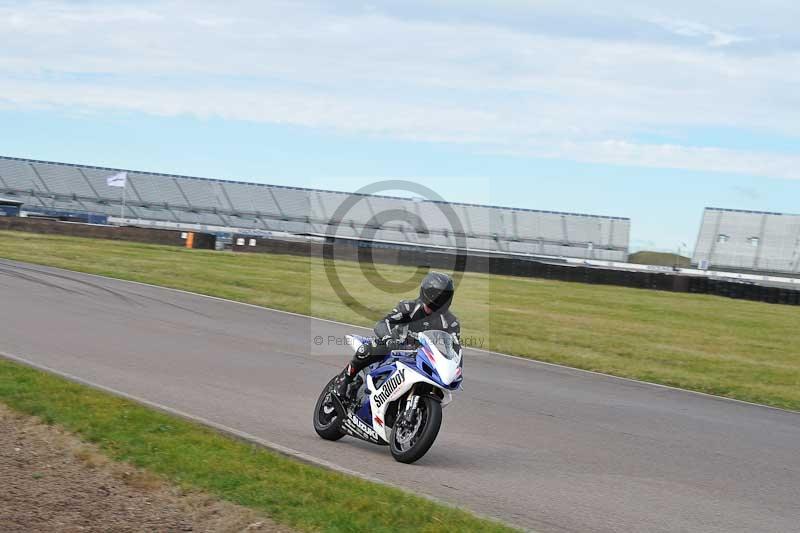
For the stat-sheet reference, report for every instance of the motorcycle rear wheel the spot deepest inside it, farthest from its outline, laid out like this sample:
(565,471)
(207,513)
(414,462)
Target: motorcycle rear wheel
(409,442)
(328,415)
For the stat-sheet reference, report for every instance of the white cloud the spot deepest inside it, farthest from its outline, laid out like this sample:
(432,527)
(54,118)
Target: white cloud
(674,156)
(500,86)
(685,28)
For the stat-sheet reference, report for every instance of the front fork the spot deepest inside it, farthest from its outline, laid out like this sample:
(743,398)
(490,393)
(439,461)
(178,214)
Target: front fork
(410,411)
(412,402)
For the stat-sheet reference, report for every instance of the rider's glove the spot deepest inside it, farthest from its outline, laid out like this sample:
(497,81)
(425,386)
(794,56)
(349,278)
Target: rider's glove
(399,333)
(394,344)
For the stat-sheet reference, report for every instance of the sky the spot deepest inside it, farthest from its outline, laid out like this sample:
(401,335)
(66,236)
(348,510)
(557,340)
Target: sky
(650,110)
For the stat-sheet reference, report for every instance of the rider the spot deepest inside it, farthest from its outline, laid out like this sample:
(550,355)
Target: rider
(431,311)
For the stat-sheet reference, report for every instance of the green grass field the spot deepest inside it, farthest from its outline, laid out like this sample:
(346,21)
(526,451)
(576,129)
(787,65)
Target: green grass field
(196,458)
(738,349)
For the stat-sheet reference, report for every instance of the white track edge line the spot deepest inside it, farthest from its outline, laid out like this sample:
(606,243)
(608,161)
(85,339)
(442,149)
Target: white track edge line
(488,352)
(247,437)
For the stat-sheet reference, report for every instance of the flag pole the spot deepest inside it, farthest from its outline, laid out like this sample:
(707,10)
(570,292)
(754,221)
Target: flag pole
(120,179)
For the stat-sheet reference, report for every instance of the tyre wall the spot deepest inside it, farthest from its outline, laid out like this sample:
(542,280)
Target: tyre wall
(509,266)
(125,233)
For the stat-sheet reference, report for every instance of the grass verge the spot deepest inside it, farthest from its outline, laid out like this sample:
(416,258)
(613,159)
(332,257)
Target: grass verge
(301,496)
(738,349)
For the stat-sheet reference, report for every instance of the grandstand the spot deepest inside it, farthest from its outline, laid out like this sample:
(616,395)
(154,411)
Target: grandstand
(215,205)
(749,240)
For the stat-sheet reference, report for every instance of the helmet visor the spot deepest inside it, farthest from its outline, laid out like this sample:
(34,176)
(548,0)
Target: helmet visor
(437,298)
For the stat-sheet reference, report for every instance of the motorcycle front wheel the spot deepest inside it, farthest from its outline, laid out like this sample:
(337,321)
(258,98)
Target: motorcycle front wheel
(328,415)
(414,431)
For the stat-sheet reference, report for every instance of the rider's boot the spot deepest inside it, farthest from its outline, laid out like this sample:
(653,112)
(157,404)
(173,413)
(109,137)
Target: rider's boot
(342,387)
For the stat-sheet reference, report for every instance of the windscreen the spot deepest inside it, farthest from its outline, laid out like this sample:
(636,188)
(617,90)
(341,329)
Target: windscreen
(443,342)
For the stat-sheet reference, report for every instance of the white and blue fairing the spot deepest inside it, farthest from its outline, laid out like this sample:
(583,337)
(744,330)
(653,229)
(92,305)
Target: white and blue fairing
(437,362)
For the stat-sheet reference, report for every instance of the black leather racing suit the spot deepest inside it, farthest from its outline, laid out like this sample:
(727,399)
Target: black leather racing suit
(408,313)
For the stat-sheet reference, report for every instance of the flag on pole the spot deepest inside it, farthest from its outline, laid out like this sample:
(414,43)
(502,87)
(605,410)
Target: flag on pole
(117,180)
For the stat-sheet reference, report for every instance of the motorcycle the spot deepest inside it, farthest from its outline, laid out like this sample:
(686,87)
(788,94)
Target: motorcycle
(399,400)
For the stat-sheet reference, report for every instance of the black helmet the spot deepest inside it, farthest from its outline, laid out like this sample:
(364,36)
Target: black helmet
(436,290)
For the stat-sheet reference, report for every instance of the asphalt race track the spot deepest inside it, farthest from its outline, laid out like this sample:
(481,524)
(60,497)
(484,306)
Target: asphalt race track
(539,446)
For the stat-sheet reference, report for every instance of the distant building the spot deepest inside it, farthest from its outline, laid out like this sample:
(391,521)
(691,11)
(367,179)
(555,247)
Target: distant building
(748,240)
